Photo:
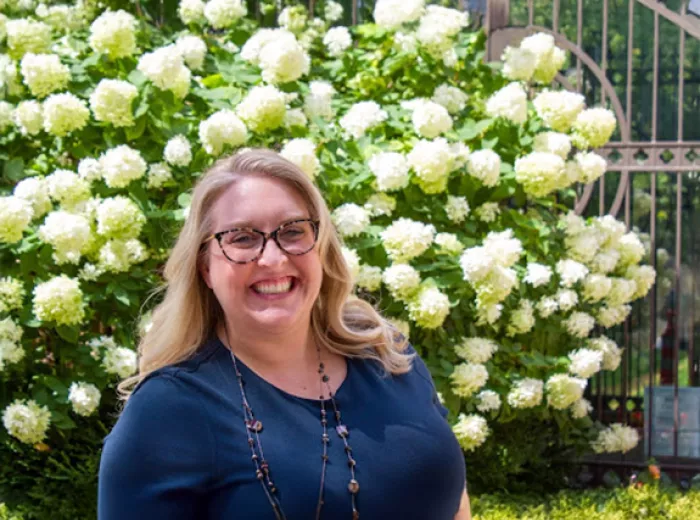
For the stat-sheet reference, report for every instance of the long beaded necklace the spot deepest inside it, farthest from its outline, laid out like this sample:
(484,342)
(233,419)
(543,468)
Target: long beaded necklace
(262,468)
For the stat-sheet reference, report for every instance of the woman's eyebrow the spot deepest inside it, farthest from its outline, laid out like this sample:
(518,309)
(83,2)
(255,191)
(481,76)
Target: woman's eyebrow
(250,224)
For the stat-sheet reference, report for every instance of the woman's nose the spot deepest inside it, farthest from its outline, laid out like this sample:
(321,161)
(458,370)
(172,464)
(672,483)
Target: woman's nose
(272,254)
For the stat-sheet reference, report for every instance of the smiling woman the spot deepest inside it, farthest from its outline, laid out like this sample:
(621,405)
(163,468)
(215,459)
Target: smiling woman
(266,389)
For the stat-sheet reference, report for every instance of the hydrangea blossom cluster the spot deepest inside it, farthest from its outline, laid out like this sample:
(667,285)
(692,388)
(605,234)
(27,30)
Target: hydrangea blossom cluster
(11,294)
(84,398)
(430,119)
(468,378)
(11,350)
(585,362)
(119,217)
(221,129)
(122,165)
(317,103)
(436,31)
(510,103)
(27,421)
(405,239)
(393,13)
(302,152)
(15,216)
(390,170)
(278,53)
(452,98)
(224,13)
(165,67)
(471,431)
(193,50)
(476,350)
(119,361)
(44,73)
(29,117)
(59,300)
(111,102)
(429,307)
(350,219)
(68,233)
(67,188)
(432,162)
(24,36)
(485,165)
(64,113)
(114,33)
(263,108)
(564,390)
(337,40)
(361,117)
(488,400)
(402,280)
(616,438)
(178,151)
(526,393)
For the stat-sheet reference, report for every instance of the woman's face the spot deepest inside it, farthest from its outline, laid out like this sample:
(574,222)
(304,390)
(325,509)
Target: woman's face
(276,292)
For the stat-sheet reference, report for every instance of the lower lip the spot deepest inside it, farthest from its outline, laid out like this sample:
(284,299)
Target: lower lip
(276,296)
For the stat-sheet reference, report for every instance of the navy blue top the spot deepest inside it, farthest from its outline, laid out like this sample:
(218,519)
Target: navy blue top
(179,449)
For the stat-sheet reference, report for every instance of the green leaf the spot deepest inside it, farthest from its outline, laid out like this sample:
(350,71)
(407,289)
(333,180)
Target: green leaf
(13,170)
(70,334)
(61,421)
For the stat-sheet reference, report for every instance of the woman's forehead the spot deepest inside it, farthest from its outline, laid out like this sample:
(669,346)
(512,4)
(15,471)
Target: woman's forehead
(256,201)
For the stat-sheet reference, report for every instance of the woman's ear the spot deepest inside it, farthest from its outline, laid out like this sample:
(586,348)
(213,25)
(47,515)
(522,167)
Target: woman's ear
(203,267)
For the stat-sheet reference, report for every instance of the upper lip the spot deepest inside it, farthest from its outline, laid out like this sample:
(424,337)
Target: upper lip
(274,279)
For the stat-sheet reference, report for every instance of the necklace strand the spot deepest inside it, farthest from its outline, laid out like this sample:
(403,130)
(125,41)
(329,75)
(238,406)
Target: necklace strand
(262,468)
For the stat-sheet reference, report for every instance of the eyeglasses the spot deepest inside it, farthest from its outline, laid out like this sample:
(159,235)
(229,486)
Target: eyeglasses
(243,245)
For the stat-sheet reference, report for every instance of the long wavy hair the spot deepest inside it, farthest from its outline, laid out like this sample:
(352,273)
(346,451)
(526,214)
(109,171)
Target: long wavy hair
(189,312)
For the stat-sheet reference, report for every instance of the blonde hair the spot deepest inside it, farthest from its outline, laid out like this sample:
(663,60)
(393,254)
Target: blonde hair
(189,312)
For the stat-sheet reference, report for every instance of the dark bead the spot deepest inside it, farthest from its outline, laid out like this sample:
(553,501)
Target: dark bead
(273,489)
(342,430)
(353,486)
(337,416)
(264,466)
(352,463)
(324,422)
(324,457)
(325,378)
(325,438)
(321,366)
(254,425)
(255,456)
(323,413)
(355,515)
(251,442)
(320,398)
(259,474)
(348,449)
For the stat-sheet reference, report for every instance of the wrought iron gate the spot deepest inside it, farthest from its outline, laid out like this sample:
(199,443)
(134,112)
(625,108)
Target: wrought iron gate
(653,182)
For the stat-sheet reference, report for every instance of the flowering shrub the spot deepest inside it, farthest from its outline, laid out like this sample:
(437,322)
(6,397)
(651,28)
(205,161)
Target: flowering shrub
(449,183)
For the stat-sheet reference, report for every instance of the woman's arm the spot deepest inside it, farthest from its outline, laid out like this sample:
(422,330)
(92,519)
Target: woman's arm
(464,512)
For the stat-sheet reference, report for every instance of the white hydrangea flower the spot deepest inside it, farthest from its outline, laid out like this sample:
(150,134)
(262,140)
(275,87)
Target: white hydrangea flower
(583,246)
(402,280)
(630,248)
(84,398)
(191,11)
(488,400)
(405,43)
(405,239)
(585,362)
(593,127)
(119,217)
(591,166)
(68,233)
(579,324)
(605,260)
(612,354)
(278,53)
(352,259)
(468,378)
(564,390)
(430,119)
(547,306)
(317,102)
(224,13)
(44,73)
(35,191)
(29,117)
(553,142)
(566,299)
(596,287)
(392,13)
(429,307)
(558,109)
(193,50)
(510,102)
(333,11)
(436,29)
(361,117)
(380,204)
(27,421)
(390,169)
(610,229)
(570,272)
(64,113)
(263,108)
(488,313)
(522,319)
(10,353)
(293,18)
(350,219)
(89,272)
(449,243)
(114,33)
(503,247)
(457,208)
(644,277)
(119,361)
(432,162)
(302,152)
(178,151)
(111,102)
(616,438)
(166,69)
(66,188)
(369,278)
(59,300)
(295,117)
(476,350)
(581,408)
(25,35)
(471,431)
(537,274)
(222,128)
(10,331)
(158,175)
(518,63)
(117,256)
(485,165)
(452,98)
(337,40)
(526,393)
(549,59)
(621,292)
(122,165)
(11,294)
(540,173)
(15,216)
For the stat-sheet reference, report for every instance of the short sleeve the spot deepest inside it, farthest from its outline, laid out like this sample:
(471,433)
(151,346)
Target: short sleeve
(420,367)
(158,457)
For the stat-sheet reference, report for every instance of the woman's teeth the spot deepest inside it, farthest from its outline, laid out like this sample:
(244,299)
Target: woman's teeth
(273,288)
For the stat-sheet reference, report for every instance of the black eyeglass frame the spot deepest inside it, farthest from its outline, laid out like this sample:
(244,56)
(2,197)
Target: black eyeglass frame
(266,236)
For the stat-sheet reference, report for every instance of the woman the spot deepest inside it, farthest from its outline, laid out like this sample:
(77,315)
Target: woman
(266,391)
